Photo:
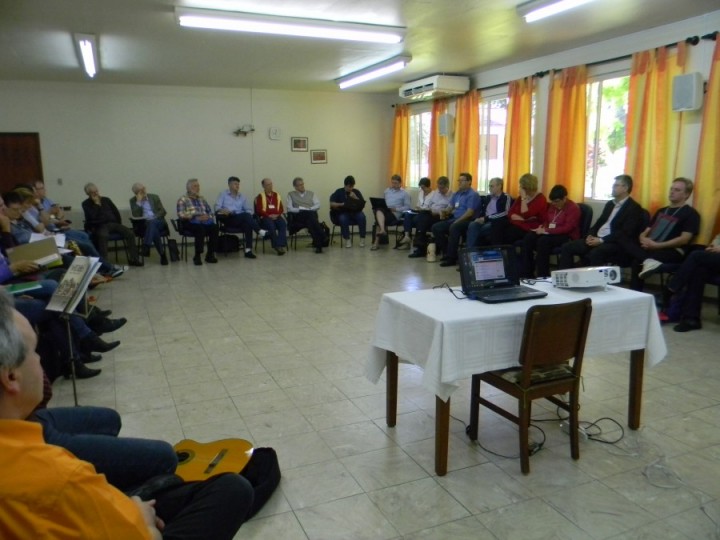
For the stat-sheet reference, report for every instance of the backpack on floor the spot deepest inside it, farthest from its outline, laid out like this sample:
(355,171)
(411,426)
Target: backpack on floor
(326,234)
(173,250)
(228,243)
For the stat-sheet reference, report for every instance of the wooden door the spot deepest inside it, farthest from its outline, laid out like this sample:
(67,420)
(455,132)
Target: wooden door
(20,159)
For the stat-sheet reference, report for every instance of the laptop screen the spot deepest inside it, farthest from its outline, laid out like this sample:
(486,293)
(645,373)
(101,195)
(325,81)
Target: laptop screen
(487,268)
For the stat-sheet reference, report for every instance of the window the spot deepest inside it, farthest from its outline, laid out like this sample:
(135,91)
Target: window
(419,149)
(606,147)
(493,117)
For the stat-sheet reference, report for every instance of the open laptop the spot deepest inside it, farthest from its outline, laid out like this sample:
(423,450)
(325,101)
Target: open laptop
(489,274)
(378,202)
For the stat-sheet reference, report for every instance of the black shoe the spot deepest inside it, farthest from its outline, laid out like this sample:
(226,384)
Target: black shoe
(93,343)
(211,259)
(103,313)
(105,326)
(90,358)
(318,250)
(250,255)
(448,262)
(136,263)
(197,260)
(163,260)
(416,255)
(687,325)
(146,251)
(83,372)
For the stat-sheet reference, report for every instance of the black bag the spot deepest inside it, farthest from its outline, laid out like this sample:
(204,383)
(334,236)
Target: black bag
(263,472)
(326,234)
(228,243)
(173,250)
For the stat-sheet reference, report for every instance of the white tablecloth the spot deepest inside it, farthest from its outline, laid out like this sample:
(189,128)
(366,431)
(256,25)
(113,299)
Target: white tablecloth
(452,339)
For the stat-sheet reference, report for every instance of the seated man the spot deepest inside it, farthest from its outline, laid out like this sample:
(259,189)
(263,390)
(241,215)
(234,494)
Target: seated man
(495,207)
(608,238)
(668,236)
(69,498)
(346,208)
(197,217)
(560,223)
(102,218)
(397,201)
(151,212)
(303,205)
(428,213)
(694,272)
(410,217)
(54,212)
(269,208)
(463,208)
(235,211)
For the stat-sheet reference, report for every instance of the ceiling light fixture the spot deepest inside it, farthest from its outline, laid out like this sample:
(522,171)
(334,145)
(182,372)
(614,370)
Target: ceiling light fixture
(539,9)
(373,72)
(287,26)
(88,52)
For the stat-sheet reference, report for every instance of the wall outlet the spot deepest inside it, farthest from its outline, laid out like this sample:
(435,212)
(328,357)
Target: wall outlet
(565,426)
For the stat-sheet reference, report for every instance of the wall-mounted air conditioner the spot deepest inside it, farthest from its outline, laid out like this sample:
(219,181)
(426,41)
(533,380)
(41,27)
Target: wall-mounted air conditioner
(434,87)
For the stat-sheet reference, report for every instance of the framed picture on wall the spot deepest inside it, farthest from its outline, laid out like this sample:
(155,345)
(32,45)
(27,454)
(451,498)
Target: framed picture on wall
(318,156)
(299,144)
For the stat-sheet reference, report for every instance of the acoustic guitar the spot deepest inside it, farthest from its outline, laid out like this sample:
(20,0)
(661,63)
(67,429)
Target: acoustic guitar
(199,461)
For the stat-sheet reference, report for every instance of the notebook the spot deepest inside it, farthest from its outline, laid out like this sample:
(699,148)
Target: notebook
(378,202)
(489,274)
(43,252)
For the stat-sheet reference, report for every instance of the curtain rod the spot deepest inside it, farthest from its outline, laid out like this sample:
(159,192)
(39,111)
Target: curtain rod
(692,40)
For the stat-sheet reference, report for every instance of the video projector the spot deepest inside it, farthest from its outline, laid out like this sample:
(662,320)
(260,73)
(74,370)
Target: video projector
(592,276)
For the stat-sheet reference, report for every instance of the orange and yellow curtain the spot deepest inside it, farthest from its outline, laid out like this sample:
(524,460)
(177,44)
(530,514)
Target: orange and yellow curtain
(707,187)
(518,133)
(653,130)
(400,142)
(437,151)
(566,137)
(467,135)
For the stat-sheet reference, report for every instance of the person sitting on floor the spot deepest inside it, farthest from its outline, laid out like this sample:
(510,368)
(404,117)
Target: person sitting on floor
(148,208)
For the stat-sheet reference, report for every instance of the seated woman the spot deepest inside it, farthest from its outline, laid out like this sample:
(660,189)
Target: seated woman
(525,213)
(397,201)
(560,223)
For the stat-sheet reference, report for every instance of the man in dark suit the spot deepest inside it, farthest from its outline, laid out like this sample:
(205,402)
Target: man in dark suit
(102,218)
(149,212)
(620,223)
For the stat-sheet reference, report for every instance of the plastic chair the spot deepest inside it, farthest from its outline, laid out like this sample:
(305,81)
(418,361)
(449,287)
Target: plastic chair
(551,355)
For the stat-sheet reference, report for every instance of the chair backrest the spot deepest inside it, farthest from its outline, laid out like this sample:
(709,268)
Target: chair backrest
(554,334)
(178,226)
(586,215)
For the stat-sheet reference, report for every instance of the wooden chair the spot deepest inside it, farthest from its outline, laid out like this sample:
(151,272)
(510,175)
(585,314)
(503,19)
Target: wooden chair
(551,358)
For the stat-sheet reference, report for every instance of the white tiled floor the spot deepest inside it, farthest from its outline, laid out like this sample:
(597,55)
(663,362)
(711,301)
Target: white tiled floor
(272,350)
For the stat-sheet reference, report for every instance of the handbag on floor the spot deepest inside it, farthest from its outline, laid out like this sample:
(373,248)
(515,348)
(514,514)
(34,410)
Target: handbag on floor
(173,250)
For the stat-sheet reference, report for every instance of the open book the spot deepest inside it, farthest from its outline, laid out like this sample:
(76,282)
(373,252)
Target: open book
(74,284)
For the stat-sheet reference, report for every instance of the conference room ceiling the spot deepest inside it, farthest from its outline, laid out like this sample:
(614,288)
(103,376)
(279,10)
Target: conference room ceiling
(140,42)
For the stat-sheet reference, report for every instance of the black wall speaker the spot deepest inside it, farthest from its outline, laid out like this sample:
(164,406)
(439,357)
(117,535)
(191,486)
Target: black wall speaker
(687,92)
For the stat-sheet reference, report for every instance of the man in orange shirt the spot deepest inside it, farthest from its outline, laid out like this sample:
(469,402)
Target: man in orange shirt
(46,492)
(269,208)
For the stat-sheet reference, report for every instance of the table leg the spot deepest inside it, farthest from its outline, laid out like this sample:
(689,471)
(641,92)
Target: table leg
(442,433)
(391,364)
(637,365)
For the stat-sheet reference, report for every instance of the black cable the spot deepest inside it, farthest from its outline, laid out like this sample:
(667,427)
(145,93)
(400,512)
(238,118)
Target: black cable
(452,291)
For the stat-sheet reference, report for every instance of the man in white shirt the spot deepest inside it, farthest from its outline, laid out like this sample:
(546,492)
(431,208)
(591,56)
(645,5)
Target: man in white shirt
(433,204)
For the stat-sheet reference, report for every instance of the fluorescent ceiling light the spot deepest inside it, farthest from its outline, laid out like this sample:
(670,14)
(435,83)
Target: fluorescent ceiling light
(373,72)
(287,26)
(87,51)
(539,9)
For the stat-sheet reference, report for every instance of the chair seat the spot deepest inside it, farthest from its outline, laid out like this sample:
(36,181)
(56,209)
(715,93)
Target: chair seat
(538,375)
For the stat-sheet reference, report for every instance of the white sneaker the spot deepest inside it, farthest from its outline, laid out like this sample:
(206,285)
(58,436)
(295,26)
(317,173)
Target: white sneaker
(649,266)
(404,239)
(262,233)
(362,242)
(348,243)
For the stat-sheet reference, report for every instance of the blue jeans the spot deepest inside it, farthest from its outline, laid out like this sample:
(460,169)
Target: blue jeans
(277,231)
(91,434)
(352,218)
(477,232)
(154,228)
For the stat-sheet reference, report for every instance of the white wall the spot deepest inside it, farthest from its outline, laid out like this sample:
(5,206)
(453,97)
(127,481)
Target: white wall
(116,135)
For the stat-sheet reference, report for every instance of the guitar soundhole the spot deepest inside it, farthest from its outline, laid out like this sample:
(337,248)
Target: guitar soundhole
(183,456)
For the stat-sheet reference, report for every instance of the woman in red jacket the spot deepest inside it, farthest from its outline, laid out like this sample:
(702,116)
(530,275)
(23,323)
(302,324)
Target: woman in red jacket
(560,223)
(525,214)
